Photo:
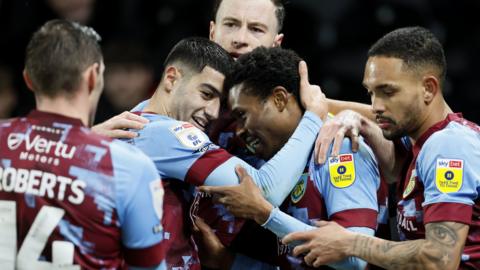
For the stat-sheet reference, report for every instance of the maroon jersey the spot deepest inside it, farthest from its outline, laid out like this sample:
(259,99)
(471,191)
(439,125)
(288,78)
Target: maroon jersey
(441,183)
(72,195)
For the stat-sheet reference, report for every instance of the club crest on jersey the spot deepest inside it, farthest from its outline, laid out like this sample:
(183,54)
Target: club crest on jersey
(411,184)
(449,175)
(299,189)
(342,170)
(189,136)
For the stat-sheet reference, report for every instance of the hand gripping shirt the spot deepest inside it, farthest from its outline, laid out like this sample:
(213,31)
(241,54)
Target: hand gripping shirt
(185,157)
(442,183)
(74,198)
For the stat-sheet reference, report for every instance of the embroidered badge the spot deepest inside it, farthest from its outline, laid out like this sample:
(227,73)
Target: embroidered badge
(189,136)
(342,170)
(299,189)
(411,184)
(449,175)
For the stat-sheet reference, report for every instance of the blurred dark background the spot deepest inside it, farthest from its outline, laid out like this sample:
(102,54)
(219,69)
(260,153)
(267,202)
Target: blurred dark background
(332,35)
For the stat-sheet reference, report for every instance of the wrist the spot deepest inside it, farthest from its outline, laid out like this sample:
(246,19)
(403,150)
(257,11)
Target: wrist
(319,112)
(351,249)
(264,213)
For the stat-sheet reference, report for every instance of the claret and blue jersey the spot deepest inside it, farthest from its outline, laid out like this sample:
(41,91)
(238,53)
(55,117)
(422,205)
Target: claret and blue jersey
(185,157)
(97,202)
(442,183)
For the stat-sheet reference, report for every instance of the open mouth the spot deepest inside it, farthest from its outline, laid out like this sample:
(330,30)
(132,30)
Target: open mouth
(235,55)
(252,143)
(199,122)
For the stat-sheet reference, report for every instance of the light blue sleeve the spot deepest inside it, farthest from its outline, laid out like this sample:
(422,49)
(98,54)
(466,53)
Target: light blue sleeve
(139,198)
(282,224)
(278,176)
(174,146)
(349,181)
(448,166)
(187,153)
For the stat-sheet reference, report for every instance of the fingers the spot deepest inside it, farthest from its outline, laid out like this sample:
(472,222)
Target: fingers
(309,258)
(321,150)
(355,141)
(214,190)
(324,139)
(296,236)
(201,226)
(301,249)
(124,123)
(243,176)
(121,134)
(241,173)
(303,72)
(321,223)
(318,262)
(134,117)
(338,141)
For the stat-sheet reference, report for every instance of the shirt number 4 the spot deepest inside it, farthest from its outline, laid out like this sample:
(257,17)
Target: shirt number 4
(35,241)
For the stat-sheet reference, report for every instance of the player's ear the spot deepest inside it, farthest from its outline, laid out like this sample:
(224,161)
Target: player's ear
(171,77)
(28,80)
(280,98)
(431,88)
(277,42)
(211,34)
(92,75)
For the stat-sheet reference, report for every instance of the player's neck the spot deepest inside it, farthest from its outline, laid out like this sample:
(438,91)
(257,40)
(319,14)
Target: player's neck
(73,108)
(158,104)
(436,113)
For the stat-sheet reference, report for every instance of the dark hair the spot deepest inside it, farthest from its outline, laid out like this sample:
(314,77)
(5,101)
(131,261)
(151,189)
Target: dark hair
(279,11)
(57,55)
(263,69)
(416,46)
(197,52)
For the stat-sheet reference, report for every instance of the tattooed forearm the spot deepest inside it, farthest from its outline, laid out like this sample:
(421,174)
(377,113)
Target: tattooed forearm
(440,250)
(443,233)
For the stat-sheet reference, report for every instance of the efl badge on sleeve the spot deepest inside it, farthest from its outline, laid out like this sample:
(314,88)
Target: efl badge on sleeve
(299,189)
(449,175)
(342,170)
(189,136)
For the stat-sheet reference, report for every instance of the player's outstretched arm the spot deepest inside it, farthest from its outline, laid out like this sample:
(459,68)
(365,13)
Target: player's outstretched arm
(246,201)
(441,248)
(335,106)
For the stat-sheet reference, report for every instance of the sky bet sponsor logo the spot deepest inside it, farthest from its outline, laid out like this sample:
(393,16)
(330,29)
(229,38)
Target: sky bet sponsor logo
(342,170)
(182,127)
(449,175)
(40,149)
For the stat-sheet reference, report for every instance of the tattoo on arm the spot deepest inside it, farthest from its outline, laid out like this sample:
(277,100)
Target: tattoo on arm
(441,248)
